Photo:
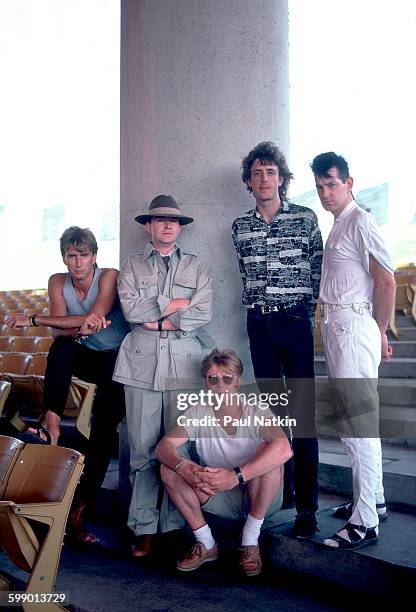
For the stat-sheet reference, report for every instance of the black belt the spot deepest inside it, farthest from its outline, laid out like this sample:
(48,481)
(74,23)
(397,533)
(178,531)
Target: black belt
(268,309)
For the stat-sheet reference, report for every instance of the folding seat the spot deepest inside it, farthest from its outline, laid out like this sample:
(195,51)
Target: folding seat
(9,451)
(37,364)
(6,344)
(5,387)
(43,344)
(38,331)
(14,363)
(25,344)
(5,330)
(34,511)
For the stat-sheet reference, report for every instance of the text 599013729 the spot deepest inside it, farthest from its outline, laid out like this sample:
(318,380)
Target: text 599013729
(18,598)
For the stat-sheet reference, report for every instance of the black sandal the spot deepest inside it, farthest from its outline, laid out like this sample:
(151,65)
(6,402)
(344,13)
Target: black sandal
(358,537)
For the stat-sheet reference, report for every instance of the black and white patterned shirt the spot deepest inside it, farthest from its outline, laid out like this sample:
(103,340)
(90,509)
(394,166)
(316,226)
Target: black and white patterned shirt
(280,262)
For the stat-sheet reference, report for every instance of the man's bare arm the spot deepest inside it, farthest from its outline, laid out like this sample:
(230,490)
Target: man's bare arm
(58,319)
(107,291)
(272,453)
(383,302)
(167,453)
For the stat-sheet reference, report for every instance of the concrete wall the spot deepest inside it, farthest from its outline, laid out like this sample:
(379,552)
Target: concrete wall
(202,82)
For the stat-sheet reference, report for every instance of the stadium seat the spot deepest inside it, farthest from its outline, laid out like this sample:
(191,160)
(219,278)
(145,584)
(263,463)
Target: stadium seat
(34,511)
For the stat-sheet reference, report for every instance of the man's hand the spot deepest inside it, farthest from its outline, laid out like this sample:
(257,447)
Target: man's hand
(190,472)
(176,304)
(181,303)
(386,349)
(152,325)
(93,324)
(18,320)
(216,480)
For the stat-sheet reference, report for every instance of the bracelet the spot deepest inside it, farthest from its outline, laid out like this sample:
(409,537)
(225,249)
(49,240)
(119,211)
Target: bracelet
(79,337)
(32,321)
(181,463)
(159,324)
(239,475)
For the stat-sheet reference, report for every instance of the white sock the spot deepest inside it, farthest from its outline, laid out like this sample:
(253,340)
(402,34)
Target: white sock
(204,536)
(383,510)
(251,531)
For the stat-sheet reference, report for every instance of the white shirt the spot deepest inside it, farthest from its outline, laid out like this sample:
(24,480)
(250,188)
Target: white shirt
(217,448)
(345,268)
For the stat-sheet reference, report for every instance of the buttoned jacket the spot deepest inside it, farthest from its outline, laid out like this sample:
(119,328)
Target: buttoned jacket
(169,359)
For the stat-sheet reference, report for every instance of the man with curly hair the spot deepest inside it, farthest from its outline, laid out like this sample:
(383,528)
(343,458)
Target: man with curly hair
(279,249)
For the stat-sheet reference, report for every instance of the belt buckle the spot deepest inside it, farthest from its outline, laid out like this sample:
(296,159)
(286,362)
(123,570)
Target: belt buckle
(265,309)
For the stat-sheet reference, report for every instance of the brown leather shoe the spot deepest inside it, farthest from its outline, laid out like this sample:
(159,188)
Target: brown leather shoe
(143,546)
(196,557)
(250,560)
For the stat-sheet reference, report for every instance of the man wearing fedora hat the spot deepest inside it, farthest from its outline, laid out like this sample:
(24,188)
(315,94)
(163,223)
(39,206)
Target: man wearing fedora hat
(166,296)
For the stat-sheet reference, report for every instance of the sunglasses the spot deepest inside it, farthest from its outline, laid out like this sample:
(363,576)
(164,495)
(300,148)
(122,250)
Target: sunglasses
(214,380)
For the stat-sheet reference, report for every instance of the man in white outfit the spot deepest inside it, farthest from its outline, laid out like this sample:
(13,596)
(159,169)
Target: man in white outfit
(357,296)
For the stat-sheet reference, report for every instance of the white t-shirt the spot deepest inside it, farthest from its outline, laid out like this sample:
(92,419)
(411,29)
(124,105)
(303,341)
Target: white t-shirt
(345,268)
(217,448)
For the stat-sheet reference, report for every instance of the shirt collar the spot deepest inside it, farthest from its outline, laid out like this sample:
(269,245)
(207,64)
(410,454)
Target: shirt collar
(284,207)
(347,210)
(149,251)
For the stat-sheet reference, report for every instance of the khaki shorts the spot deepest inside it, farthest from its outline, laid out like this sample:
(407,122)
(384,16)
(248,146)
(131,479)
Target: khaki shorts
(234,505)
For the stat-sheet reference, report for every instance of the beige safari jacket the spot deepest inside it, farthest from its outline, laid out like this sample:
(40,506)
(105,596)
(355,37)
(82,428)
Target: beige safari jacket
(165,360)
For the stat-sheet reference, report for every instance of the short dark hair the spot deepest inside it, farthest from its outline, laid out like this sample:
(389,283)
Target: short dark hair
(79,238)
(325,161)
(226,358)
(267,153)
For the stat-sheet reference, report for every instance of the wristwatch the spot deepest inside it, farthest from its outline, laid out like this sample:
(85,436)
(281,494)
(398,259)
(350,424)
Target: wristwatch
(240,476)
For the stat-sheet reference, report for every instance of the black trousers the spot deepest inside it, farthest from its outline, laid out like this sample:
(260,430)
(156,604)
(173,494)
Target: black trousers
(68,358)
(282,352)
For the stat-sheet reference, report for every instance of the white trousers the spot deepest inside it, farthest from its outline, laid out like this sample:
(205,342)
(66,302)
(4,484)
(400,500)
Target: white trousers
(352,343)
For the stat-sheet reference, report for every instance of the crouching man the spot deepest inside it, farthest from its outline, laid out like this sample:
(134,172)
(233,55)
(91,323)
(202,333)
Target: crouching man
(240,467)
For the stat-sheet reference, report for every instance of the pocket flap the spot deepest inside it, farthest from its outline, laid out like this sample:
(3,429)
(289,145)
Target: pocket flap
(185,281)
(147,281)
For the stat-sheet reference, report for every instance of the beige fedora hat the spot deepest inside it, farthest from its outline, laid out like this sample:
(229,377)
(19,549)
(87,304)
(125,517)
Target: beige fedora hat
(163,206)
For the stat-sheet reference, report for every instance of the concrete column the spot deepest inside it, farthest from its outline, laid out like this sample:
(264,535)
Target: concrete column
(202,82)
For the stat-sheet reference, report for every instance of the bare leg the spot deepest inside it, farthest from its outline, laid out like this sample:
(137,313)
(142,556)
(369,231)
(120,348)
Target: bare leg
(262,490)
(186,499)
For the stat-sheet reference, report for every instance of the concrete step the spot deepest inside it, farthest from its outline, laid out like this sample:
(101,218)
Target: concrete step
(386,570)
(392,391)
(294,572)
(405,333)
(105,577)
(399,469)
(404,320)
(403,348)
(397,367)
(397,423)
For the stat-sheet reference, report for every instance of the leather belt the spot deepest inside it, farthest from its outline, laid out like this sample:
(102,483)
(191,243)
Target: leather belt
(268,309)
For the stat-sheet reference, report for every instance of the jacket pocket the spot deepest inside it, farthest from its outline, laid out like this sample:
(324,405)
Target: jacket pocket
(147,286)
(137,358)
(183,287)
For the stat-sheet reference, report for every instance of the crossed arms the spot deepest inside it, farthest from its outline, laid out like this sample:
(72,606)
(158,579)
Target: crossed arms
(186,314)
